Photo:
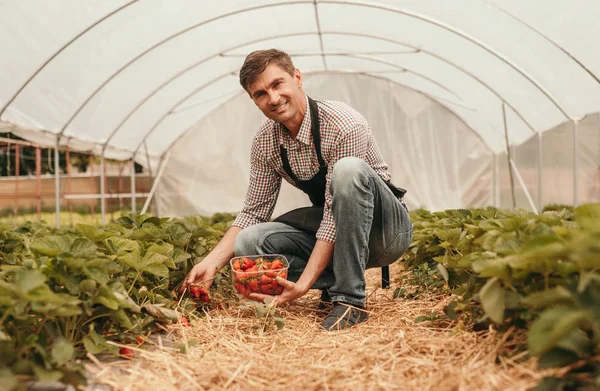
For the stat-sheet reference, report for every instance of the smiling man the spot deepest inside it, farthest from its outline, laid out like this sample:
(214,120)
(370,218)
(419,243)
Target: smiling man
(324,148)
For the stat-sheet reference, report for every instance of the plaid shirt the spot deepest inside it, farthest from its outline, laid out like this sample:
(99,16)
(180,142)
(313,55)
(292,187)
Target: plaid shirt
(344,132)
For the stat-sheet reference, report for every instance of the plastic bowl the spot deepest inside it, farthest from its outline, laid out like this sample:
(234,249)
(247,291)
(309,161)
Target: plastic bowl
(256,274)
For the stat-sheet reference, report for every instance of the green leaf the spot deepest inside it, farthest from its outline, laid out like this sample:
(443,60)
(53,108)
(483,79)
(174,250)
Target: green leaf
(125,222)
(121,317)
(28,280)
(179,256)
(8,380)
(553,325)
(443,271)
(82,247)
(51,245)
(548,297)
(124,246)
(556,358)
(145,234)
(492,300)
(62,351)
(588,216)
(88,231)
(498,267)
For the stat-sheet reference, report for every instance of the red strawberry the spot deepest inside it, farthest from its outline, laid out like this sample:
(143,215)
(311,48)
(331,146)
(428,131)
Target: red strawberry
(253,285)
(246,263)
(139,339)
(184,322)
(127,353)
(195,291)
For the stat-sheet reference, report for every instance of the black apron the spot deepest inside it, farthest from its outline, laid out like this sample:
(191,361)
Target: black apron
(309,218)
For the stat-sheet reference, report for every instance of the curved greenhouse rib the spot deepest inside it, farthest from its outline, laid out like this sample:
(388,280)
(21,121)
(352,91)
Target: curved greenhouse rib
(194,65)
(341,72)
(316,7)
(59,51)
(233,72)
(158,44)
(356,3)
(201,61)
(453,30)
(547,38)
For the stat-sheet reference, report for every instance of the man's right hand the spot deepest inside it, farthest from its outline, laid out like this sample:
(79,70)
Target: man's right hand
(203,273)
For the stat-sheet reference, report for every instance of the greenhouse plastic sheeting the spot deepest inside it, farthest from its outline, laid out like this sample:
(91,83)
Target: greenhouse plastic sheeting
(123,77)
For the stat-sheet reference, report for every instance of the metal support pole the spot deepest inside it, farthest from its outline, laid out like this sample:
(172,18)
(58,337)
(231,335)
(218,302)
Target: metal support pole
(494,182)
(68,190)
(540,171)
(149,168)
(57,182)
(524,187)
(156,181)
(133,185)
(38,176)
(102,190)
(509,159)
(575,163)
(17,174)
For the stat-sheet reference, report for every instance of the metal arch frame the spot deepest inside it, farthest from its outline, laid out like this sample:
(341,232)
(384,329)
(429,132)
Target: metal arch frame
(456,31)
(551,41)
(185,70)
(315,2)
(363,35)
(155,126)
(343,72)
(318,21)
(165,40)
(59,51)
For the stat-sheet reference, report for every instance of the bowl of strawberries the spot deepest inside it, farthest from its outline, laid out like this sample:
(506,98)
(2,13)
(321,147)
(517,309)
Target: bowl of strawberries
(258,273)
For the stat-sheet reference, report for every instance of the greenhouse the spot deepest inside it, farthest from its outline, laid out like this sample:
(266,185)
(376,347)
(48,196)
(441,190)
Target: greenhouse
(474,104)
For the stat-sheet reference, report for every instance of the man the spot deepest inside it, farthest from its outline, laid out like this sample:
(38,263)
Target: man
(326,149)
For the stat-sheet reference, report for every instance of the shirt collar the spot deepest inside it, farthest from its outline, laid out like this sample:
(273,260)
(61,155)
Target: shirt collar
(304,134)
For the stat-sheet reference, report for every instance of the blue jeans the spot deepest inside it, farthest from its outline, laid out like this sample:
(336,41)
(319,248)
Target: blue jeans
(373,229)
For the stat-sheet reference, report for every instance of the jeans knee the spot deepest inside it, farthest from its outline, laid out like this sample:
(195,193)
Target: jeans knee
(347,174)
(246,241)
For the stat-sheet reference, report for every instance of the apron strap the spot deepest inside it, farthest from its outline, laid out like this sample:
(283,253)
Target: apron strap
(316,134)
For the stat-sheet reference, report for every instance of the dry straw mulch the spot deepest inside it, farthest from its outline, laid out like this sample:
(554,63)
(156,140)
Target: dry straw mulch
(388,352)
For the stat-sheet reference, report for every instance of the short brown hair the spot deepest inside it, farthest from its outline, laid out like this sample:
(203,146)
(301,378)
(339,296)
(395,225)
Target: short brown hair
(257,61)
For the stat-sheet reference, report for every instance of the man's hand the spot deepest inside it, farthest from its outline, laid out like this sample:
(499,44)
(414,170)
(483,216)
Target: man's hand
(291,291)
(203,272)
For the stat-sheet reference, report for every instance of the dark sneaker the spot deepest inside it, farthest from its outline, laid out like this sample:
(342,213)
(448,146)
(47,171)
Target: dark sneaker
(325,302)
(343,316)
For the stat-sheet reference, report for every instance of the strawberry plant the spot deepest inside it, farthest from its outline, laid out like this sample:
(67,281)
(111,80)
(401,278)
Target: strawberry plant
(67,292)
(541,272)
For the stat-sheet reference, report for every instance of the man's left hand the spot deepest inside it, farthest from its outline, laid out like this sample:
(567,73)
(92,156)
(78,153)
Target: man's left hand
(291,291)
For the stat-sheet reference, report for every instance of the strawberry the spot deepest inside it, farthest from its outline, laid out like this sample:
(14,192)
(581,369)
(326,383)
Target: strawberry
(253,285)
(127,353)
(267,289)
(195,291)
(278,290)
(139,339)
(265,279)
(236,264)
(246,263)
(241,288)
(253,269)
(184,322)
(277,264)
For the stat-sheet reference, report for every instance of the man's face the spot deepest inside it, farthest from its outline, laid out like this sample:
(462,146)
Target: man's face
(277,94)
